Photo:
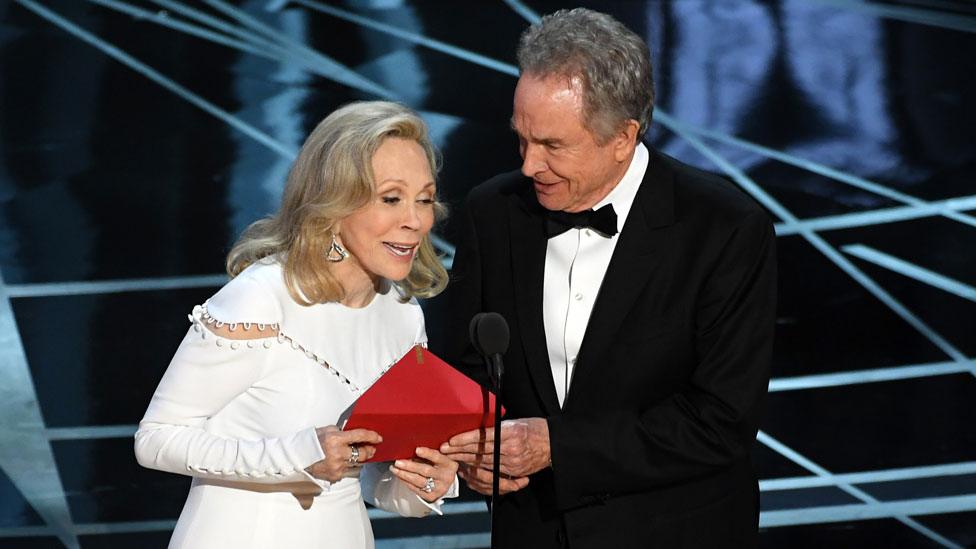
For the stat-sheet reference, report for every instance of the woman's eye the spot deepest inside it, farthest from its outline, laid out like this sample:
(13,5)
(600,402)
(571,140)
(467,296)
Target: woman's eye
(427,201)
(390,199)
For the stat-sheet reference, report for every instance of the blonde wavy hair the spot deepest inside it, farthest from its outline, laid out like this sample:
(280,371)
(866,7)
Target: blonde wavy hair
(331,178)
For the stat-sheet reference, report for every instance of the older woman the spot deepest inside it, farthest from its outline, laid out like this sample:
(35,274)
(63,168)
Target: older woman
(321,303)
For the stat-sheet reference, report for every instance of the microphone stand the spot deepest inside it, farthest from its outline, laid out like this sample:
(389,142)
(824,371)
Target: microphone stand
(490,337)
(497,371)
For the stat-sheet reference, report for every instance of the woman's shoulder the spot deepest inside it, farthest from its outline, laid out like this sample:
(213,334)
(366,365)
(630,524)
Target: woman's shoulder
(252,296)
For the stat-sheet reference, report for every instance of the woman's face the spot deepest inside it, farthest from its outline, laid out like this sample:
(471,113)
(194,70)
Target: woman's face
(383,236)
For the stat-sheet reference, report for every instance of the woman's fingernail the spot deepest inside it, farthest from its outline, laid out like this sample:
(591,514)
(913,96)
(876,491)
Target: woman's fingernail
(398,463)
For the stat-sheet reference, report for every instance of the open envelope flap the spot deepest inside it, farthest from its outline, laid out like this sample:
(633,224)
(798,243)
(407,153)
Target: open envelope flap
(420,401)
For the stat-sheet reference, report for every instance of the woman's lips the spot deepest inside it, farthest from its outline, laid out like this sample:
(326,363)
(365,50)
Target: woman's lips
(400,250)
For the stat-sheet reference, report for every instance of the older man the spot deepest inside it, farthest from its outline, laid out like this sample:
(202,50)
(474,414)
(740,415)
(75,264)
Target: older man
(640,295)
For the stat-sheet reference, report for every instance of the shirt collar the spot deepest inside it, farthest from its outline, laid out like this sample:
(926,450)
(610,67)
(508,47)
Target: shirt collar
(622,196)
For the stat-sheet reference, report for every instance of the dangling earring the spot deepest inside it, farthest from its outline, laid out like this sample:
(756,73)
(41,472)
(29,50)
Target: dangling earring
(336,252)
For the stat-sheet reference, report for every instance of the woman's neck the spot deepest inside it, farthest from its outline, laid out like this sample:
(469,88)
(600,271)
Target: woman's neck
(359,287)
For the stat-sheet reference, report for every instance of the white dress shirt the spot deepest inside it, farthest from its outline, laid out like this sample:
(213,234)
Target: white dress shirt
(576,262)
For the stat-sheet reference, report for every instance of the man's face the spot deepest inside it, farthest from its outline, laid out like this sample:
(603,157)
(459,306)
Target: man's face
(570,170)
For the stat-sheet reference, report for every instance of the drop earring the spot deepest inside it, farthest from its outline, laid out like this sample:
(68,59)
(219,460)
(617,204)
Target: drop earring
(336,252)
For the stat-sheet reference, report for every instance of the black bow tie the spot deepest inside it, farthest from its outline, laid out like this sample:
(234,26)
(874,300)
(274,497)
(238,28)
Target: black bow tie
(603,221)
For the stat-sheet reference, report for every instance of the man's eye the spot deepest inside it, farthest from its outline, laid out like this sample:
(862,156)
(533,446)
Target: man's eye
(391,199)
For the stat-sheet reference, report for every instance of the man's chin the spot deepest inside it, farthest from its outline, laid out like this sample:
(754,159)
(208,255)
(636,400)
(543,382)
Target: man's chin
(549,201)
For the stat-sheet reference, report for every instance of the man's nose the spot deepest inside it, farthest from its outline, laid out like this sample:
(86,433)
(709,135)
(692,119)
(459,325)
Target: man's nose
(533,161)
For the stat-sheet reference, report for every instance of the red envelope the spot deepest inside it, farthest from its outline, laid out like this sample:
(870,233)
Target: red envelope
(420,401)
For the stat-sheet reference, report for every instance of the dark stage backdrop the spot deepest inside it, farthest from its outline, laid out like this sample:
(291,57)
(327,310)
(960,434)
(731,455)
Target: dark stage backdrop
(139,137)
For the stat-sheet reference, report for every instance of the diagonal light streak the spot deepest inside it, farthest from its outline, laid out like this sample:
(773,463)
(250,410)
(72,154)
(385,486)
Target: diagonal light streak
(120,527)
(338,71)
(221,25)
(765,485)
(912,271)
(165,20)
(49,289)
(855,512)
(826,171)
(279,51)
(814,239)
(909,14)
(278,46)
(413,37)
(154,75)
(96,432)
(868,477)
(844,264)
(816,469)
(872,375)
(453,541)
(25,453)
(877,217)
(249,43)
(525,11)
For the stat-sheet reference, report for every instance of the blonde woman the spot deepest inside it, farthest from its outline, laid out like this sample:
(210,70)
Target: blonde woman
(321,303)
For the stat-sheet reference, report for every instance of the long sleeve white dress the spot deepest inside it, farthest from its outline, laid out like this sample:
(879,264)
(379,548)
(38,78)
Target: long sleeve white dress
(240,416)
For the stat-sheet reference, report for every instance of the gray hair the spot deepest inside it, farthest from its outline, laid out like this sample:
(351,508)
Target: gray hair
(612,63)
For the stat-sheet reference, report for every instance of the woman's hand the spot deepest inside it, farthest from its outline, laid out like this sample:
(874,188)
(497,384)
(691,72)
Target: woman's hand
(430,475)
(339,454)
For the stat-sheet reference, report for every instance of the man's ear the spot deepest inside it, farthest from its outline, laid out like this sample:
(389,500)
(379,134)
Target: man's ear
(625,140)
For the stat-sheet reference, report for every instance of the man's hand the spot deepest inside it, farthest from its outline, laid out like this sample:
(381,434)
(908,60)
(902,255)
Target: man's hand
(479,480)
(524,448)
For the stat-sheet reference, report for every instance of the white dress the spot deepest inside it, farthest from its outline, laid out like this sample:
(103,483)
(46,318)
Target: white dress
(240,416)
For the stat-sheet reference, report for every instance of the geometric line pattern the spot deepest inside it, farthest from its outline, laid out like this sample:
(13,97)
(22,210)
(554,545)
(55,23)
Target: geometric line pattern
(277,46)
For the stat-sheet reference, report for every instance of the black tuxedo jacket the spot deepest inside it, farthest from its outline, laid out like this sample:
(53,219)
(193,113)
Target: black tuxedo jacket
(651,446)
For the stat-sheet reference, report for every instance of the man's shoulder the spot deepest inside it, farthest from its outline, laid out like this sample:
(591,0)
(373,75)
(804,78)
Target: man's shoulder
(701,192)
(499,187)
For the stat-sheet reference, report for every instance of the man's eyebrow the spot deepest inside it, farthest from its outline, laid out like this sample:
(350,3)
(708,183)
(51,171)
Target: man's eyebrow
(541,140)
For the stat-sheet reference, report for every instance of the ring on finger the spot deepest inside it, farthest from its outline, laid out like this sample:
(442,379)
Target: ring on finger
(429,486)
(354,456)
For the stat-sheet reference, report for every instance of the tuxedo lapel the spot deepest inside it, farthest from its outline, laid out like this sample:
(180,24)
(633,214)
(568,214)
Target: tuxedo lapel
(632,263)
(529,242)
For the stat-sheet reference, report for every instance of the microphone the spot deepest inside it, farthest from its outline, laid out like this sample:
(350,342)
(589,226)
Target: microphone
(490,337)
(473,332)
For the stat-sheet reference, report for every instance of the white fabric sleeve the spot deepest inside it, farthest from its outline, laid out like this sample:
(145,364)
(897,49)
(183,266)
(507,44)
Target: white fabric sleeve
(201,379)
(382,489)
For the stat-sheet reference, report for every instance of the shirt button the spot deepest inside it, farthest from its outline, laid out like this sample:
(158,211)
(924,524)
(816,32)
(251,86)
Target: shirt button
(588,233)
(578,296)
